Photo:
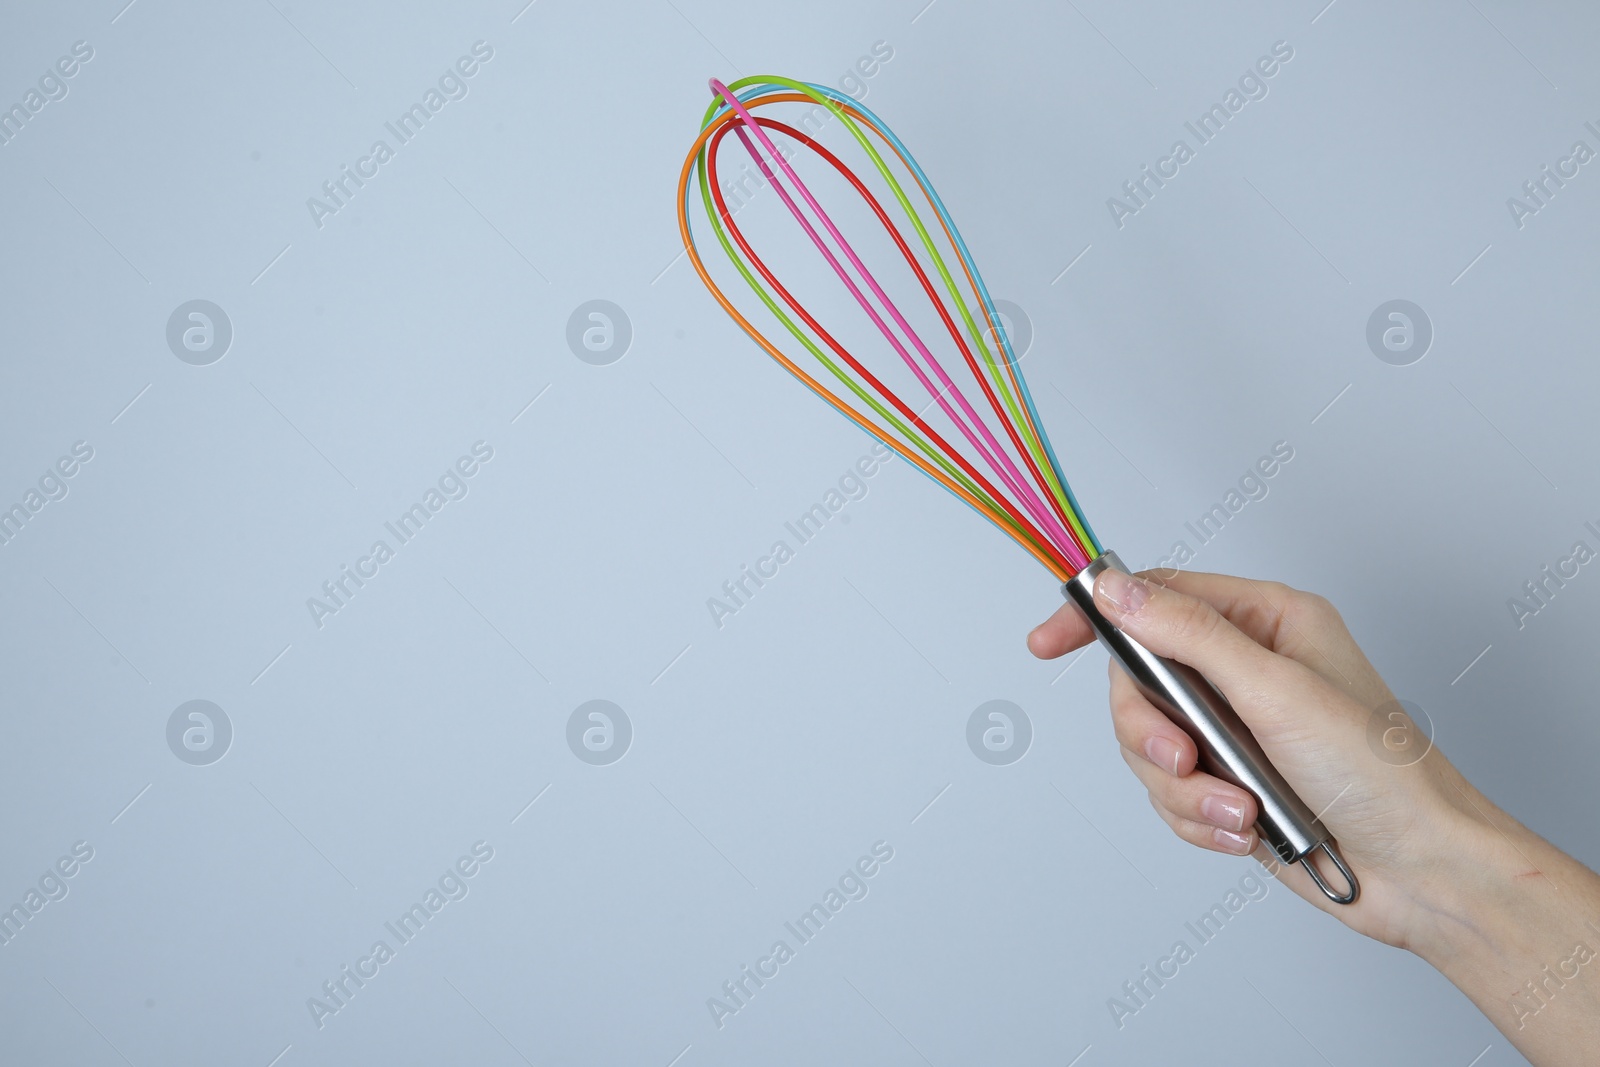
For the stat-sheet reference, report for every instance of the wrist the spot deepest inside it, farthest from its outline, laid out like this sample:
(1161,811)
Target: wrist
(1496,899)
(1511,921)
(1467,888)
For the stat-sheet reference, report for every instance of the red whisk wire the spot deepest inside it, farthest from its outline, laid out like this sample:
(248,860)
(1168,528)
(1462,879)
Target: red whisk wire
(973,428)
(905,250)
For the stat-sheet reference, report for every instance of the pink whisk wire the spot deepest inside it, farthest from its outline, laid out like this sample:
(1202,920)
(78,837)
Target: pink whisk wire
(989,448)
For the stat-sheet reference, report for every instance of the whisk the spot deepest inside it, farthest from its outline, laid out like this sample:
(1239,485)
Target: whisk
(1024,492)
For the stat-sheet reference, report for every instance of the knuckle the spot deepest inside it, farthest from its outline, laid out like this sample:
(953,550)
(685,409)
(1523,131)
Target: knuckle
(1126,727)
(1131,757)
(1188,831)
(1122,726)
(1159,576)
(1166,792)
(1277,592)
(1166,814)
(1322,609)
(1194,621)
(1308,609)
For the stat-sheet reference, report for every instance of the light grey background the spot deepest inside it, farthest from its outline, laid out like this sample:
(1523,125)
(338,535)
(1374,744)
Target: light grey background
(831,712)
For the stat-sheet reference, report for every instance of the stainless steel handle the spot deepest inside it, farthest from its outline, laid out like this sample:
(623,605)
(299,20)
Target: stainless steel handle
(1227,748)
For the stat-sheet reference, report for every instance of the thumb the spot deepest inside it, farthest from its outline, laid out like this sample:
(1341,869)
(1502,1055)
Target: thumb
(1189,630)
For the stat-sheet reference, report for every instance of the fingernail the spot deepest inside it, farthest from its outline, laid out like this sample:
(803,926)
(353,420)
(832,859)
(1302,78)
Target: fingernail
(1238,844)
(1163,753)
(1126,593)
(1218,811)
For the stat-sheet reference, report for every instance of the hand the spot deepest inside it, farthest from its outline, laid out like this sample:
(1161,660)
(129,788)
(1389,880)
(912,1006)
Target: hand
(1286,662)
(1507,917)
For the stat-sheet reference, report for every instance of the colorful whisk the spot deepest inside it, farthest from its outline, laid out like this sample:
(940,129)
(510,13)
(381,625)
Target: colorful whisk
(993,452)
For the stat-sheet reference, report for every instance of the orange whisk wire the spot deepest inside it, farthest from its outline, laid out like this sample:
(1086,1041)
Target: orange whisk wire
(1046,520)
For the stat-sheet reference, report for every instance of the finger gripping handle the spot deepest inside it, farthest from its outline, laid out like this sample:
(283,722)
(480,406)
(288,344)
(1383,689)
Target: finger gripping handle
(1227,748)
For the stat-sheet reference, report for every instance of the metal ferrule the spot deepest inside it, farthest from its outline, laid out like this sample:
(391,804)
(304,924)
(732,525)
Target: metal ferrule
(1227,748)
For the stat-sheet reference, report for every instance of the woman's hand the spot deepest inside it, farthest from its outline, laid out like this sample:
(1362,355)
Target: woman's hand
(1443,871)
(1287,664)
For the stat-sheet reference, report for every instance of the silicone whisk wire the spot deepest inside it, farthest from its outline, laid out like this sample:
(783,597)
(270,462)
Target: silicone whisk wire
(1037,508)
(941,448)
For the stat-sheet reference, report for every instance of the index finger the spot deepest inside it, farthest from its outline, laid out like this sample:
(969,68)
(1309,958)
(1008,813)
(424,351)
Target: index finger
(1062,632)
(1242,601)
(1254,606)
